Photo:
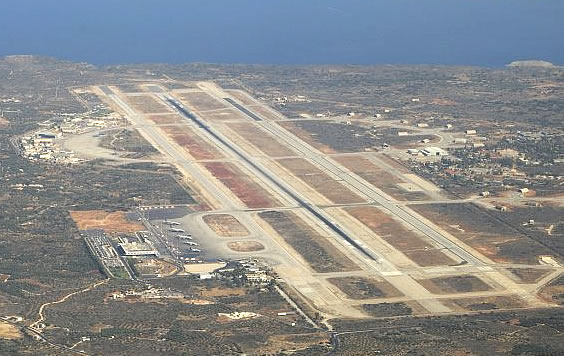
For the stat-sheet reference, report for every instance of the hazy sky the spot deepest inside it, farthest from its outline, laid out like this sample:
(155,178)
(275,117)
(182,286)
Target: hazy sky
(478,32)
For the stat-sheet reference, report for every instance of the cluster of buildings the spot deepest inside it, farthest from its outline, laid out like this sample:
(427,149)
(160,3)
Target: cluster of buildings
(44,145)
(282,100)
(250,271)
(149,293)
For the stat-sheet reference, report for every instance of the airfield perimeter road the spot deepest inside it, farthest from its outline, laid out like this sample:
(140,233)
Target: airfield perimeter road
(313,287)
(408,285)
(359,184)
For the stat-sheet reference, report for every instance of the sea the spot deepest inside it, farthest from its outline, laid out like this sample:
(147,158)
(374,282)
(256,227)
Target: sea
(488,33)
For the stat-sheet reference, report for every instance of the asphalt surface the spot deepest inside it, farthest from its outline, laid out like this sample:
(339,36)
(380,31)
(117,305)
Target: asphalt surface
(316,212)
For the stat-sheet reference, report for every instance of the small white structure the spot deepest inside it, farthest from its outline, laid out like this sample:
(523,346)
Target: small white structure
(405,122)
(478,145)
(448,126)
(460,141)
(403,133)
(470,132)
(138,249)
(351,114)
(485,194)
(425,140)
(422,125)
(413,151)
(524,190)
(415,100)
(434,151)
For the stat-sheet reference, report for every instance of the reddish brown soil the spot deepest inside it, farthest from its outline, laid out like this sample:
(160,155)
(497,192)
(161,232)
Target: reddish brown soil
(109,222)
(192,143)
(248,191)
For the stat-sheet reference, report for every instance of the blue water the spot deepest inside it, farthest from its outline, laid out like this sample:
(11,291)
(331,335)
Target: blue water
(475,32)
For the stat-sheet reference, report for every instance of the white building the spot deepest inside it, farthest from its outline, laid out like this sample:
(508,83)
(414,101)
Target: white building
(434,151)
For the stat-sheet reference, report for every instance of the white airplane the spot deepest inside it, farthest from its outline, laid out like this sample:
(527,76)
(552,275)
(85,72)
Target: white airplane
(176,230)
(184,237)
(191,243)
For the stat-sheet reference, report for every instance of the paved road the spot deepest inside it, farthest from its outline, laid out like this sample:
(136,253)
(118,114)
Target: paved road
(368,190)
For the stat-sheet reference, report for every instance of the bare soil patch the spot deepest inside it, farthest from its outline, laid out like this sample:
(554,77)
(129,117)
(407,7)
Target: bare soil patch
(166,119)
(9,331)
(554,291)
(264,113)
(265,142)
(529,275)
(379,177)
(147,104)
(320,181)
(222,292)
(245,246)
(306,136)
(413,245)
(486,303)
(201,101)
(107,221)
(241,97)
(482,230)
(196,146)
(153,266)
(225,115)
(382,310)
(248,191)
(364,288)
(454,284)
(321,255)
(225,225)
